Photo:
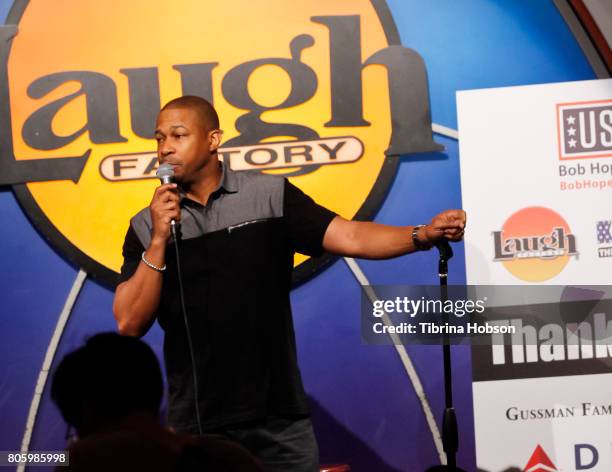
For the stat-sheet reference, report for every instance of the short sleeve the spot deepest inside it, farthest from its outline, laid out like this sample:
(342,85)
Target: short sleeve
(307,220)
(132,251)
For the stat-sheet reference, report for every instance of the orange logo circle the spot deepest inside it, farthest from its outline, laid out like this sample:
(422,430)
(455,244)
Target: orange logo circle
(312,97)
(535,244)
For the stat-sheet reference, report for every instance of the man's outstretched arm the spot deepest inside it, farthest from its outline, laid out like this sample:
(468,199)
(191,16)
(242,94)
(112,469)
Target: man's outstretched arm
(369,240)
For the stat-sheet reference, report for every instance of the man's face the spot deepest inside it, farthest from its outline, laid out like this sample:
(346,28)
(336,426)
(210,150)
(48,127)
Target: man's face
(184,142)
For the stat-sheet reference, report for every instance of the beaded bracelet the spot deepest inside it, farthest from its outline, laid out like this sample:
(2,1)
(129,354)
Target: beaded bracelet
(152,266)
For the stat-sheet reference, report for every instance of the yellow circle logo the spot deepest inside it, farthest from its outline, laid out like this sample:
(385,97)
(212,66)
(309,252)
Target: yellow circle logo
(535,244)
(307,90)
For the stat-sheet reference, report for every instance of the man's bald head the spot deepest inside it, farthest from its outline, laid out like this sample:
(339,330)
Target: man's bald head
(206,112)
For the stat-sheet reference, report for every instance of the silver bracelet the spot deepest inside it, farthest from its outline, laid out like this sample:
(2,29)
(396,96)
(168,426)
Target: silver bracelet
(152,266)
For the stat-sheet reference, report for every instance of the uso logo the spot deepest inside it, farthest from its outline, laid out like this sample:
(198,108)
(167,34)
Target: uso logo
(320,92)
(584,129)
(535,244)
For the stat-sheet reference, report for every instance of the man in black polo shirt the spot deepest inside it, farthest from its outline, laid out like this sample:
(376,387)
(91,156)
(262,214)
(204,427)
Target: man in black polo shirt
(239,232)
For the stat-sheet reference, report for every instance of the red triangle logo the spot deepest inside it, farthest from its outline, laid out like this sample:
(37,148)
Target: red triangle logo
(539,462)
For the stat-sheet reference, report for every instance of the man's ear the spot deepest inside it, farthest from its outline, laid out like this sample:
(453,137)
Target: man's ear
(215,139)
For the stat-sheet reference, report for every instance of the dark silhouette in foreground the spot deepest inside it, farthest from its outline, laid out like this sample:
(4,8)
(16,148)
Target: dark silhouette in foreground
(110,392)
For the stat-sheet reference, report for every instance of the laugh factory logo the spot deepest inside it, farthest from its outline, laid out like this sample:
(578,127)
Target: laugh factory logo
(326,97)
(535,244)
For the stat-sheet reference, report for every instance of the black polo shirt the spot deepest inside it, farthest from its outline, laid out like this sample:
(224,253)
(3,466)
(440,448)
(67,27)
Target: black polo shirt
(236,258)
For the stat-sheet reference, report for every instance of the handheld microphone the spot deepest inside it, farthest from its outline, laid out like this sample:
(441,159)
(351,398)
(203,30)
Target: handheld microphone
(165,173)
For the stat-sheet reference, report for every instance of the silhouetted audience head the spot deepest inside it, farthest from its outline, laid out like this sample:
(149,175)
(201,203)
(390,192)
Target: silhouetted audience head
(109,378)
(110,391)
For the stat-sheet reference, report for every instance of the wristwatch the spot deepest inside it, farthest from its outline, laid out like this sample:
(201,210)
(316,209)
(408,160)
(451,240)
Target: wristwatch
(418,244)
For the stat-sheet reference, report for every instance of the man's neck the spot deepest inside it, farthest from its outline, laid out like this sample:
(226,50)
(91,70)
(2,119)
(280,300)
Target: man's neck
(201,190)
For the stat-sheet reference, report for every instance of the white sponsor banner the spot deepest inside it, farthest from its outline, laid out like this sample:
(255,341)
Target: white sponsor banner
(536,176)
(568,417)
(516,175)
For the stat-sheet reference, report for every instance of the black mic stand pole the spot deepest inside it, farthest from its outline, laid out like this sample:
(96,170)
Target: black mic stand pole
(450,437)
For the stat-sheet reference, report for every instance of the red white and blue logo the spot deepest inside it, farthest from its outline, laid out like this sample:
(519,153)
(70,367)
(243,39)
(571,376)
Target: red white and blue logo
(584,129)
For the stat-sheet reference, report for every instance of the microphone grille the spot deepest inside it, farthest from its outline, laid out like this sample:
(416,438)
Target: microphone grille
(165,170)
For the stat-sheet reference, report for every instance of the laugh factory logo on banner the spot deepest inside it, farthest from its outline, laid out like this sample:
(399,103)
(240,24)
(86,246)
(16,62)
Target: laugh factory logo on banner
(534,244)
(326,96)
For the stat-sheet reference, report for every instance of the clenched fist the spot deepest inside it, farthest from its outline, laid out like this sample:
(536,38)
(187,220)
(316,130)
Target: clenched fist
(449,224)
(164,208)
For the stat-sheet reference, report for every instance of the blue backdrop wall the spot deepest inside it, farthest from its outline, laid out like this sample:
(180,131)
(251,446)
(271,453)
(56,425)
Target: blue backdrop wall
(365,408)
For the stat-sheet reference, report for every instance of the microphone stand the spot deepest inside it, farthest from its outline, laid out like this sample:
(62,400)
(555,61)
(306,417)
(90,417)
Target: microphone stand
(450,437)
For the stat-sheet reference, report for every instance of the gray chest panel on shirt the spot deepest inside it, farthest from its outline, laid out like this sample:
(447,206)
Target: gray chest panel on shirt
(253,197)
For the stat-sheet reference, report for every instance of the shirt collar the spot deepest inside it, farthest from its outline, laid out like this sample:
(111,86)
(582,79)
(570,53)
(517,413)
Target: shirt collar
(228,183)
